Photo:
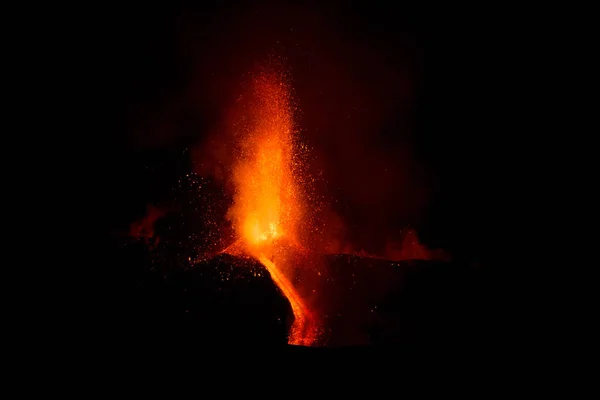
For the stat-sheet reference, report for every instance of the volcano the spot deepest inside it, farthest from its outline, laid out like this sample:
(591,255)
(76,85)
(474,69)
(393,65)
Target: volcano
(273,283)
(357,301)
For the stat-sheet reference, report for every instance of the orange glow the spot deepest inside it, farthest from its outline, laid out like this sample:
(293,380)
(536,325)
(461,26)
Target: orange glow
(267,206)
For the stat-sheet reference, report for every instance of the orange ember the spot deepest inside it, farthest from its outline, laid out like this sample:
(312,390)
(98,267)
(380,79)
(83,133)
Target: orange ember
(267,205)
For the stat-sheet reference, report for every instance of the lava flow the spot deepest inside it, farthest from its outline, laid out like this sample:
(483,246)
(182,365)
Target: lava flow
(268,207)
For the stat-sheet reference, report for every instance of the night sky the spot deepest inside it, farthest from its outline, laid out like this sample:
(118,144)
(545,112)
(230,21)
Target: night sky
(397,103)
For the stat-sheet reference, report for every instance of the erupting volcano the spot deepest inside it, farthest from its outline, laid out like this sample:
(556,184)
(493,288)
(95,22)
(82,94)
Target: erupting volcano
(268,201)
(282,176)
(338,296)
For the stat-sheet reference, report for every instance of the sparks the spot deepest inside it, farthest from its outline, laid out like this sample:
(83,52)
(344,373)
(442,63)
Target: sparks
(267,206)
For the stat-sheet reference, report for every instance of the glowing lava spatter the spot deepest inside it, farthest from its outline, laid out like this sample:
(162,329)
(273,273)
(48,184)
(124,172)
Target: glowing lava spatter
(267,206)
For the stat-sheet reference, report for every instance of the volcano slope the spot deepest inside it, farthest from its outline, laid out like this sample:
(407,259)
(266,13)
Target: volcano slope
(232,301)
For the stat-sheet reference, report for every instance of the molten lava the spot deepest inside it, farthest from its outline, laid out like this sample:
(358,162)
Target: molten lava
(303,330)
(268,207)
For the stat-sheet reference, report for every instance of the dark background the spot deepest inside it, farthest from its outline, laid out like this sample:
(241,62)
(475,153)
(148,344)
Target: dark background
(406,108)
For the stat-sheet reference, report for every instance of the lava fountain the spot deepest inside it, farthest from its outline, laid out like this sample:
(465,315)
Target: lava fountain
(268,201)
